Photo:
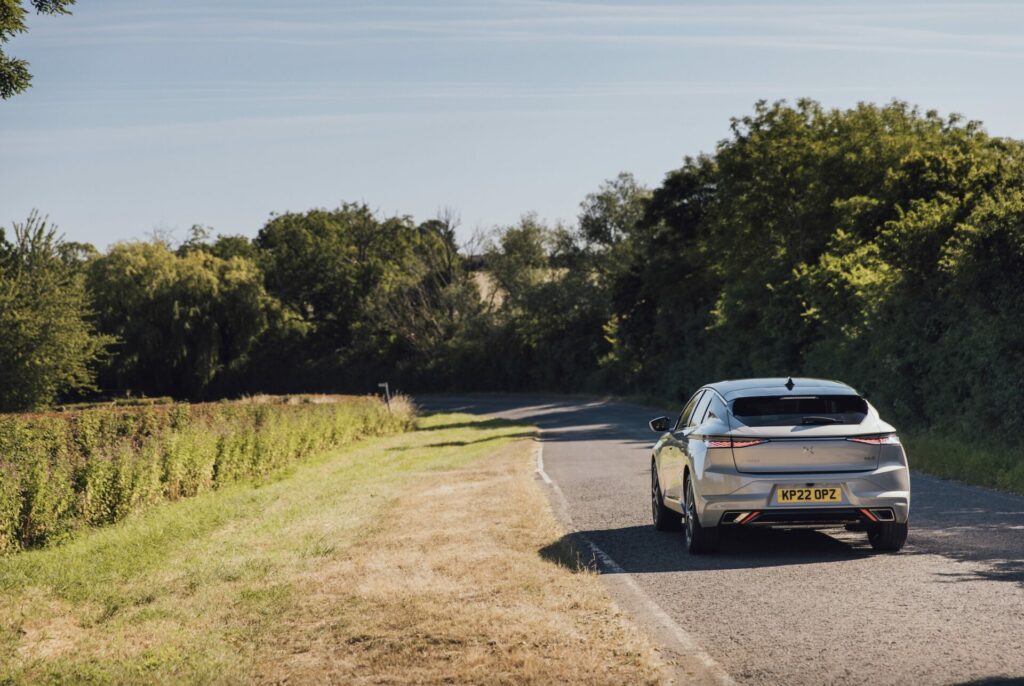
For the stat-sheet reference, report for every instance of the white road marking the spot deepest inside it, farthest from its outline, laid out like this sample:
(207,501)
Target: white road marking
(686,644)
(540,465)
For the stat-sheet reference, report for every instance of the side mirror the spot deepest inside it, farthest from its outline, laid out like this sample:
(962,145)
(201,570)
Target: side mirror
(659,424)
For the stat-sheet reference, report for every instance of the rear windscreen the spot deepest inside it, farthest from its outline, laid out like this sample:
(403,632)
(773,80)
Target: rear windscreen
(791,410)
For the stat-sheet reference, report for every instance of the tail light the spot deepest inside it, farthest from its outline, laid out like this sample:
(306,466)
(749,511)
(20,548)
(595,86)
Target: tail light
(887,439)
(726,442)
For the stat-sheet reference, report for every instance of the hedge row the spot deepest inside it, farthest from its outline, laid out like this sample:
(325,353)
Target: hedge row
(60,472)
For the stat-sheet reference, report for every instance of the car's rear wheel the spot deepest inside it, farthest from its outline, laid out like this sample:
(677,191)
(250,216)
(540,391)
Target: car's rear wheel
(664,518)
(699,539)
(888,537)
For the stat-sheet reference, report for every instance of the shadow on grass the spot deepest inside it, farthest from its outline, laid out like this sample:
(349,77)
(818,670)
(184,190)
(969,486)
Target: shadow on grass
(481,425)
(488,425)
(566,553)
(488,439)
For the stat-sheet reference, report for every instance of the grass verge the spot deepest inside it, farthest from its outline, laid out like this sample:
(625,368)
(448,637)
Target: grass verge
(982,465)
(406,559)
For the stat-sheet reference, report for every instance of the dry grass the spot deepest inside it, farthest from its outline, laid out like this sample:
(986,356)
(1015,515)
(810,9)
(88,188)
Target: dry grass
(407,559)
(452,590)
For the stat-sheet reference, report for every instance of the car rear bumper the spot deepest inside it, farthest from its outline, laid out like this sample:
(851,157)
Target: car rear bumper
(809,518)
(886,490)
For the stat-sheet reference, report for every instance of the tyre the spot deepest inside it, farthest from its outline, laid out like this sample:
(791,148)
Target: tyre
(888,536)
(699,539)
(664,518)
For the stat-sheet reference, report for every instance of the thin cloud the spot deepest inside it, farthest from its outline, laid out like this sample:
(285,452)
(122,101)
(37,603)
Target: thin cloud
(848,27)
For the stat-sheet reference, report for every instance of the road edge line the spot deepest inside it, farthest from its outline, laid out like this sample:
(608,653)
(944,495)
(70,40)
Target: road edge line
(686,644)
(540,464)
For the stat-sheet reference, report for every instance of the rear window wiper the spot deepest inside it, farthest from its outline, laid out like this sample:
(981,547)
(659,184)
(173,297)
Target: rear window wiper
(821,420)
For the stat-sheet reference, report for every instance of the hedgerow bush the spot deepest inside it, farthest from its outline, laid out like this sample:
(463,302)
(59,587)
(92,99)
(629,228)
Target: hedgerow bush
(60,472)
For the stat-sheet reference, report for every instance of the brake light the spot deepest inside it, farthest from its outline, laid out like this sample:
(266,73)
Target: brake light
(888,439)
(733,443)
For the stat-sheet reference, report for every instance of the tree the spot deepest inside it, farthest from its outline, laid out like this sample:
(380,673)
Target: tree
(609,216)
(14,75)
(326,265)
(879,244)
(181,321)
(547,324)
(47,345)
(432,299)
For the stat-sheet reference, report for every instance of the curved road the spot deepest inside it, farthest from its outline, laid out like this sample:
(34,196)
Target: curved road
(789,607)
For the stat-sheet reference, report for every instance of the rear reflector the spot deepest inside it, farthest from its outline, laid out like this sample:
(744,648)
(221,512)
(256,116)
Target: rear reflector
(867,513)
(888,439)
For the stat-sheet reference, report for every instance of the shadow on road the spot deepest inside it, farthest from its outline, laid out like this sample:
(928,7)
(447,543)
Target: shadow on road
(969,524)
(980,527)
(572,420)
(643,550)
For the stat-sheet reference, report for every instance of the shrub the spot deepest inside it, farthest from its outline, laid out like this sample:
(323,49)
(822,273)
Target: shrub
(60,472)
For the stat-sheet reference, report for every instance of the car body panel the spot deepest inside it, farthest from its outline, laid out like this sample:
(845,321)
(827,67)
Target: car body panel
(806,454)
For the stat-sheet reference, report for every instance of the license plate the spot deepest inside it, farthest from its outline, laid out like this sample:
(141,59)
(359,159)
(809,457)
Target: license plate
(789,495)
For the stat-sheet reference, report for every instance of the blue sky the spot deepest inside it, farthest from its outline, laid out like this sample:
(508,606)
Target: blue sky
(158,115)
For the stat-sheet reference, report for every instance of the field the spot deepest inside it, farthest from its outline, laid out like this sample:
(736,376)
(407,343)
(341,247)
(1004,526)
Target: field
(415,557)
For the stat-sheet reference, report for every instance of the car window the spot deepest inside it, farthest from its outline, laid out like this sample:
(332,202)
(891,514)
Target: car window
(716,409)
(791,410)
(687,410)
(698,414)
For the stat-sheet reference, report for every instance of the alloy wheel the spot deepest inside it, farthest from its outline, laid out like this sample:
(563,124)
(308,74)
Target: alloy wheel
(655,499)
(690,511)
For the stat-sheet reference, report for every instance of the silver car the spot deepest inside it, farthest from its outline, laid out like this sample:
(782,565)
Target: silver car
(784,453)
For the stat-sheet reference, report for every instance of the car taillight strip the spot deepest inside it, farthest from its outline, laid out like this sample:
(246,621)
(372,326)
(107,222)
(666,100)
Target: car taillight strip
(888,439)
(734,443)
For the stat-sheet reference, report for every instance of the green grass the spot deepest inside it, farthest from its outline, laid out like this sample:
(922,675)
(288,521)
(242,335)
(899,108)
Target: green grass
(970,462)
(189,590)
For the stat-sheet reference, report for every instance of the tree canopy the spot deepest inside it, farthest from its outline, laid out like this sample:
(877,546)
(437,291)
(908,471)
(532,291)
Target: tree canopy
(14,74)
(881,245)
(48,345)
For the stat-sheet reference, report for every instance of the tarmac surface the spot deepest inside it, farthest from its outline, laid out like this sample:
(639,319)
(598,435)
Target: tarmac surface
(786,607)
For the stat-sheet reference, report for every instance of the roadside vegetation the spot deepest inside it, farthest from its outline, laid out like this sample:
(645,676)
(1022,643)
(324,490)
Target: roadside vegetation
(879,245)
(411,558)
(61,472)
(980,463)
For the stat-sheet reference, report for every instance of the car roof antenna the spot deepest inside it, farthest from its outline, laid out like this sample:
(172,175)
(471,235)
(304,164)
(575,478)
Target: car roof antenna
(789,383)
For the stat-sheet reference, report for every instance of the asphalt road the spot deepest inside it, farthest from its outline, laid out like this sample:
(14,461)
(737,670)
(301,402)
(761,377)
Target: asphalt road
(796,607)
